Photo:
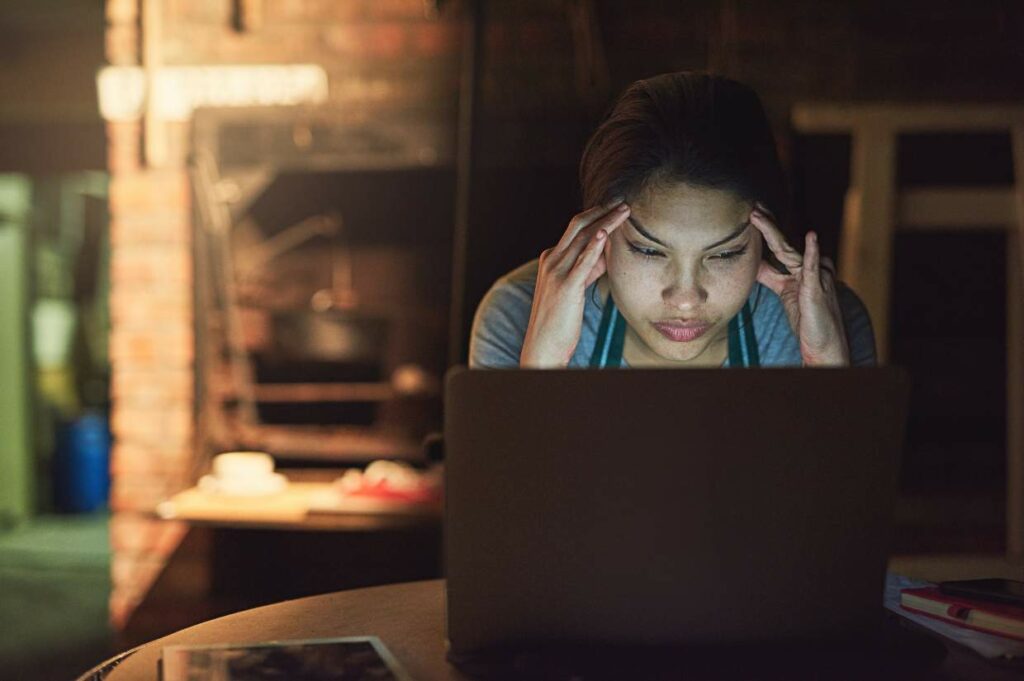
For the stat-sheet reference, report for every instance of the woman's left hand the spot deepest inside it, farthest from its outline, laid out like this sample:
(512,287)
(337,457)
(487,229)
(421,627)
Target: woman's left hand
(808,294)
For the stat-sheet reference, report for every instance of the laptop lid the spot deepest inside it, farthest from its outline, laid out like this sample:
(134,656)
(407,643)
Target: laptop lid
(650,506)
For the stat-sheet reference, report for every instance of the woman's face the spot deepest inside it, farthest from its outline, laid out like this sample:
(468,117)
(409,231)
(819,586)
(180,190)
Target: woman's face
(681,267)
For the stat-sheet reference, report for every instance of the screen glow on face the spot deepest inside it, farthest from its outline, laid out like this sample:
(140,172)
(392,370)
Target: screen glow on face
(686,256)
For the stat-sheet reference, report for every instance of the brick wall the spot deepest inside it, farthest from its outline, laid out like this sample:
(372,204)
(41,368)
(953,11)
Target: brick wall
(378,54)
(150,343)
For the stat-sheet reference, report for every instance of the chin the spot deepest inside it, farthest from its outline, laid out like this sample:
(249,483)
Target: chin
(677,352)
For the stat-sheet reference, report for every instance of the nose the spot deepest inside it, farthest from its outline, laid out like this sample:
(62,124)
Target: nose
(685,292)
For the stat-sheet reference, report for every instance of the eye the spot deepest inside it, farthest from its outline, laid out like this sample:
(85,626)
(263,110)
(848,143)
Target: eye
(729,255)
(646,253)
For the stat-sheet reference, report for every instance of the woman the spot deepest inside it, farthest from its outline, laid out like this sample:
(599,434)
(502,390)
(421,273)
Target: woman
(669,265)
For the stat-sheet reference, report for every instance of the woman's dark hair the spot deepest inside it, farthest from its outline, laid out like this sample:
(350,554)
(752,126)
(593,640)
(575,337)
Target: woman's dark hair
(701,129)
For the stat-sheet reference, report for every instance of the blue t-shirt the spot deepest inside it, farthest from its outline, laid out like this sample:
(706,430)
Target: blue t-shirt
(504,313)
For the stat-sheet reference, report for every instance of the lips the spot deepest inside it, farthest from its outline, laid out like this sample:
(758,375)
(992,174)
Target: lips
(682,331)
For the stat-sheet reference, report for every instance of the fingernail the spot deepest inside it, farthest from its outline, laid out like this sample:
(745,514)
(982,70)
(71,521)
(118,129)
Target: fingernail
(616,201)
(601,234)
(622,207)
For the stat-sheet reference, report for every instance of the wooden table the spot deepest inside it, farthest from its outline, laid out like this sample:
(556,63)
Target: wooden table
(237,560)
(409,618)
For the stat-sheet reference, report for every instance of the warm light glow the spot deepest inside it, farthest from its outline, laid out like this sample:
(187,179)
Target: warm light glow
(175,92)
(122,92)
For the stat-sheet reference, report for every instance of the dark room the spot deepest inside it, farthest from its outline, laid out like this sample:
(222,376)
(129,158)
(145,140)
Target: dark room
(382,339)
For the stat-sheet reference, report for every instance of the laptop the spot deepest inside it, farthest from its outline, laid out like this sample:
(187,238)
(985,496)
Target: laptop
(685,507)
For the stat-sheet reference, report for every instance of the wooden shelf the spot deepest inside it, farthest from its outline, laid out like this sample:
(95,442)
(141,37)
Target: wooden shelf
(330,443)
(324,392)
(221,386)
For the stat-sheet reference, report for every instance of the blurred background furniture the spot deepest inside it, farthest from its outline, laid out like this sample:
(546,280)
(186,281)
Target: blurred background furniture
(16,461)
(875,209)
(232,562)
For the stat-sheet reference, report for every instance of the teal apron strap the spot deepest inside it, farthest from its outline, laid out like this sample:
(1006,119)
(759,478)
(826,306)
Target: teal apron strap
(753,357)
(603,336)
(735,348)
(742,342)
(618,341)
(611,336)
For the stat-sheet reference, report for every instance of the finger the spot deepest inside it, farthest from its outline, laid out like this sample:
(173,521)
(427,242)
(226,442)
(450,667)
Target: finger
(764,209)
(608,224)
(545,257)
(587,217)
(776,281)
(597,271)
(602,264)
(812,261)
(586,261)
(786,254)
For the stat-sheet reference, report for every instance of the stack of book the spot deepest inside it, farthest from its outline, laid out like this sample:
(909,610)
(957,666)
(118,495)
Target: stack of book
(990,617)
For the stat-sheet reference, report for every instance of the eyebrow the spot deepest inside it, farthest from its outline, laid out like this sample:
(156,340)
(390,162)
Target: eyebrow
(650,237)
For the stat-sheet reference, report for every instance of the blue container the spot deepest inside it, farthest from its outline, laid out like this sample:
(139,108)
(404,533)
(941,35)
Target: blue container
(81,466)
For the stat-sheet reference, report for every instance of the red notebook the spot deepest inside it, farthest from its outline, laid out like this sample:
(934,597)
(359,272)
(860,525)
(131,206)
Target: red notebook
(991,618)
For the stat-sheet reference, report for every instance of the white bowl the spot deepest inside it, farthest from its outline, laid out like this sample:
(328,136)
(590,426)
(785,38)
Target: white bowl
(234,465)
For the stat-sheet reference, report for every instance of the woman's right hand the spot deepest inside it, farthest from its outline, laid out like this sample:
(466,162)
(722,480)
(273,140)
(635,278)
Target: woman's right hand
(563,276)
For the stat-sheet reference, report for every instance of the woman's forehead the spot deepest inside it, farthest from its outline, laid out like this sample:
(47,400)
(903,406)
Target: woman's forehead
(679,211)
